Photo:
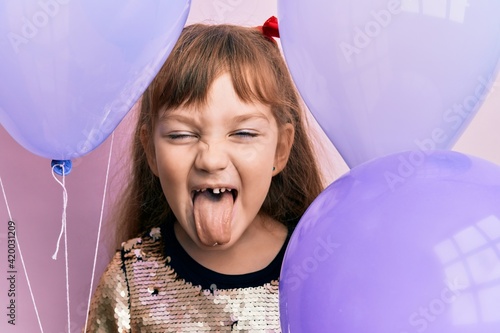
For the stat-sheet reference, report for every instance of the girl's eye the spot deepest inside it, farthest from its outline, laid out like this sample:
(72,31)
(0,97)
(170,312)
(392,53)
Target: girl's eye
(180,136)
(245,134)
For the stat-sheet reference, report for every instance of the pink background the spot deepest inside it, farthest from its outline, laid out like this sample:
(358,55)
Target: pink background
(35,199)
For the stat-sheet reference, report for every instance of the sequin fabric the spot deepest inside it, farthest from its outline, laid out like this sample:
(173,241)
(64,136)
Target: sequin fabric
(140,292)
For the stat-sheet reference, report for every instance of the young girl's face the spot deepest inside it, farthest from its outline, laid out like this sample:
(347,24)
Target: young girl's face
(215,163)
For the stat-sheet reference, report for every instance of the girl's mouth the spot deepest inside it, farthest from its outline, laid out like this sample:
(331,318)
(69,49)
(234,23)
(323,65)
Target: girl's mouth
(215,192)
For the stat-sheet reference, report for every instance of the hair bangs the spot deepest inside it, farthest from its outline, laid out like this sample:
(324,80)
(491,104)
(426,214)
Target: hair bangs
(253,82)
(200,58)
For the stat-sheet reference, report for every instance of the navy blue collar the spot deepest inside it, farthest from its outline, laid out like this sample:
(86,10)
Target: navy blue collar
(191,271)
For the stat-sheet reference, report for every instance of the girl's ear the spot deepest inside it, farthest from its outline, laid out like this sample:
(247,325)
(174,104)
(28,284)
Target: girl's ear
(285,142)
(148,146)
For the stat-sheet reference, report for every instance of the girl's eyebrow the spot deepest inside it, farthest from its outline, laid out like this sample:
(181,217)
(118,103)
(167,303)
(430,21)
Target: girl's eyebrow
(245,117)
(175,116)
(237,119)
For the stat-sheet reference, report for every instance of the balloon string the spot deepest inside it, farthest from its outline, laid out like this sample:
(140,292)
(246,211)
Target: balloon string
(99,230)
(5,198)
(22,259)
(65,205)
(63,231)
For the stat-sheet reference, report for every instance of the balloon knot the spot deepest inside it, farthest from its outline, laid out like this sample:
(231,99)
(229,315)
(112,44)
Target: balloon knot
(61,167)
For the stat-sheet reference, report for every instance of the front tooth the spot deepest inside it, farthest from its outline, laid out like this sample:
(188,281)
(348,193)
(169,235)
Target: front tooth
(203,189)
(223,190)
(216,190)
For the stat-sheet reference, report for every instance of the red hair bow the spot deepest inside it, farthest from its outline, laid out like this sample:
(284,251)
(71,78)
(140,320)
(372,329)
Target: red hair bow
(270,28)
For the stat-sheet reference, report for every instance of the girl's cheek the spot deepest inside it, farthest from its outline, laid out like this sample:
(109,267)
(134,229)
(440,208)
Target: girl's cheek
(249,155)
(255,153)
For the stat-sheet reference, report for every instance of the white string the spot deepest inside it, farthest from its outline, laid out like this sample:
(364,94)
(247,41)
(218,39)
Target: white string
(63,231)
(5,197)
(65,205)
(22,259)
(99,230)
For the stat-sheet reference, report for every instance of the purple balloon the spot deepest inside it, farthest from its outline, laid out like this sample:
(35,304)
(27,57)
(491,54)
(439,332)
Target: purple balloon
(405,243)
(385,76)
(71,70)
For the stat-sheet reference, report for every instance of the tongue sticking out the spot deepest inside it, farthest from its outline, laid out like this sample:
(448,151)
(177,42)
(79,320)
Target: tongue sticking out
(212,216)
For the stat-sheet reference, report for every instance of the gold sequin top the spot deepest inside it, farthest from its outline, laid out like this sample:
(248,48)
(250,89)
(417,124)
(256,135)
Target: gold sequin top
(141,292)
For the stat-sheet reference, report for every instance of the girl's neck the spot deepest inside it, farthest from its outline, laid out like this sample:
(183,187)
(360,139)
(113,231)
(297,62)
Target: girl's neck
(253,251)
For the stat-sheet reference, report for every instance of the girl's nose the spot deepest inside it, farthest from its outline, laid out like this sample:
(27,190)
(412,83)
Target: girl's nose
(212,157)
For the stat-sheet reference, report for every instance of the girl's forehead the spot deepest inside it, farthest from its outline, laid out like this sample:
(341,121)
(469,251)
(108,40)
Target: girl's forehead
(239,112)
(228,86)
(220,111)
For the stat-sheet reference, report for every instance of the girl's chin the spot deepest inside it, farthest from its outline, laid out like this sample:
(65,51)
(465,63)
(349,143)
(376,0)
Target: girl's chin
(215,245)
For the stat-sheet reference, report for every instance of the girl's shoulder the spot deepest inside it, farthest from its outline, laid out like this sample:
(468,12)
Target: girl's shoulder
(149,244)
(153,235)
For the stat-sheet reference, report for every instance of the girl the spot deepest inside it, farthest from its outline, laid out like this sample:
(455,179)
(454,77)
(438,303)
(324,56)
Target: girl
(222,171)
